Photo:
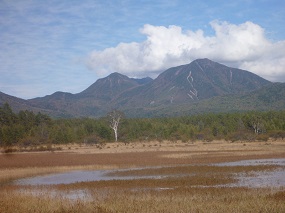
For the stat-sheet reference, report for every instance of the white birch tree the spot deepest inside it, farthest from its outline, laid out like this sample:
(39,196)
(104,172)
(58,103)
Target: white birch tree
(114,120)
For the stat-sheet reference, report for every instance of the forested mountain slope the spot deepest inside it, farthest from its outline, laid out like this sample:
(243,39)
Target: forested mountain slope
(268,98)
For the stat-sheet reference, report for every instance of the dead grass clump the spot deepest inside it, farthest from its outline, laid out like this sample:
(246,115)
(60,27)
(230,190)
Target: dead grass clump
(278,196)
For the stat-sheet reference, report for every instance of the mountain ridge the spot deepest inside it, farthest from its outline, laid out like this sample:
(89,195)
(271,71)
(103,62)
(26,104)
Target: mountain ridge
(180,87)
(201,79)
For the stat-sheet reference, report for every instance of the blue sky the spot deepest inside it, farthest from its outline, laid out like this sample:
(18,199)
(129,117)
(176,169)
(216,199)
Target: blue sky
(66,45)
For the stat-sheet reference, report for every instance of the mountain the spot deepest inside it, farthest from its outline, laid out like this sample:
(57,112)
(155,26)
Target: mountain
(270,97)
(93,101)
(19,104)
(106,89)
(199,87)
(199,80)
(142,80)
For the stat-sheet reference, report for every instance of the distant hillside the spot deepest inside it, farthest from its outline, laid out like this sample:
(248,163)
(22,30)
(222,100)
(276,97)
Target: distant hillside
(268,98)
(17,103)
(93,101)
(199,87)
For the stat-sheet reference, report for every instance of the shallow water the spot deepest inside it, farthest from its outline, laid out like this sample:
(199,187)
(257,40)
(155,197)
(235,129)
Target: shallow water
(64,178)
(78,176)
(274,178)
(261,179)
(277,161)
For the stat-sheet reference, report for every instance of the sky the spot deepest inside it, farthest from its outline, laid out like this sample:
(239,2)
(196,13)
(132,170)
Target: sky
(66,45)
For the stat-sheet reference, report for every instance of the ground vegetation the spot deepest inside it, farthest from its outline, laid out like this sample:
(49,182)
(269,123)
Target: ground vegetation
(40,132)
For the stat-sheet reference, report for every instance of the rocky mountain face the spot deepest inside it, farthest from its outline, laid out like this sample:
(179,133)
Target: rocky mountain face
(199,80)
(178,87)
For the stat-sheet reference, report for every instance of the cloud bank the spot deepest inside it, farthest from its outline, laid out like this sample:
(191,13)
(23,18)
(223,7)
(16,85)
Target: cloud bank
(243,46)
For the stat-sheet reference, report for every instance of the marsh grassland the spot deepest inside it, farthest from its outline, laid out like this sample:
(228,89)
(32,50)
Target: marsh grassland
(187,178)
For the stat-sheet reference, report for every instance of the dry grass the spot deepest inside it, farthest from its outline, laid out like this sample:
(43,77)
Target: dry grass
(193,200)
(168,200)
(12,201)
(196,192)
(197,147)
(145,154)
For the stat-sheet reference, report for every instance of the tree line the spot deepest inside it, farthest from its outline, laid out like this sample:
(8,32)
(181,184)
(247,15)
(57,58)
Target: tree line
(26,128)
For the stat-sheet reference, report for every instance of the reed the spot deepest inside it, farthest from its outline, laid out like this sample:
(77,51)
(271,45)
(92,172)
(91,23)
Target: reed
(193,200)
(11,201)
(209,199)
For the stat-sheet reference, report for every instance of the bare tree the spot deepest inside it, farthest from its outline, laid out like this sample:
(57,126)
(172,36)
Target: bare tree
(257,125)
(114,119)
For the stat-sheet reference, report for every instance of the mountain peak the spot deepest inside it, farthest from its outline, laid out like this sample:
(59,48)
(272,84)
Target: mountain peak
(204,60)
(110,86)
(117,75)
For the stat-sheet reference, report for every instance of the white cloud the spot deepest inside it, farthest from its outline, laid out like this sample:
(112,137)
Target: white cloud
(164,47)
(244,45)
(271,64)
(236,42)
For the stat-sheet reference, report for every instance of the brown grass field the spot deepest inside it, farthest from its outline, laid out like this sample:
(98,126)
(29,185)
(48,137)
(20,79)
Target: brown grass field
(197,192)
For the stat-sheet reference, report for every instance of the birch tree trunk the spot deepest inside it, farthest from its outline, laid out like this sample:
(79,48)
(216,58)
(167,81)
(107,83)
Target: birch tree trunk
(114,120)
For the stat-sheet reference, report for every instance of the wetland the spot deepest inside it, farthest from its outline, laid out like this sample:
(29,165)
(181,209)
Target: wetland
(155,177)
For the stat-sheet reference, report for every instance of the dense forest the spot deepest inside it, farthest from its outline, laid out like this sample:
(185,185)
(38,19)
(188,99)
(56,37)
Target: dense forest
(26,129)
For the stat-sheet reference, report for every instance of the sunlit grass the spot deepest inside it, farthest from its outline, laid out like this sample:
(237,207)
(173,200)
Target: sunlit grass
(187,184)
(209,199)
(193,200)
(12,201)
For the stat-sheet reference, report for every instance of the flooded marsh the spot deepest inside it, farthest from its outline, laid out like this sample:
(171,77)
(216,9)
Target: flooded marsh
(148,182)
